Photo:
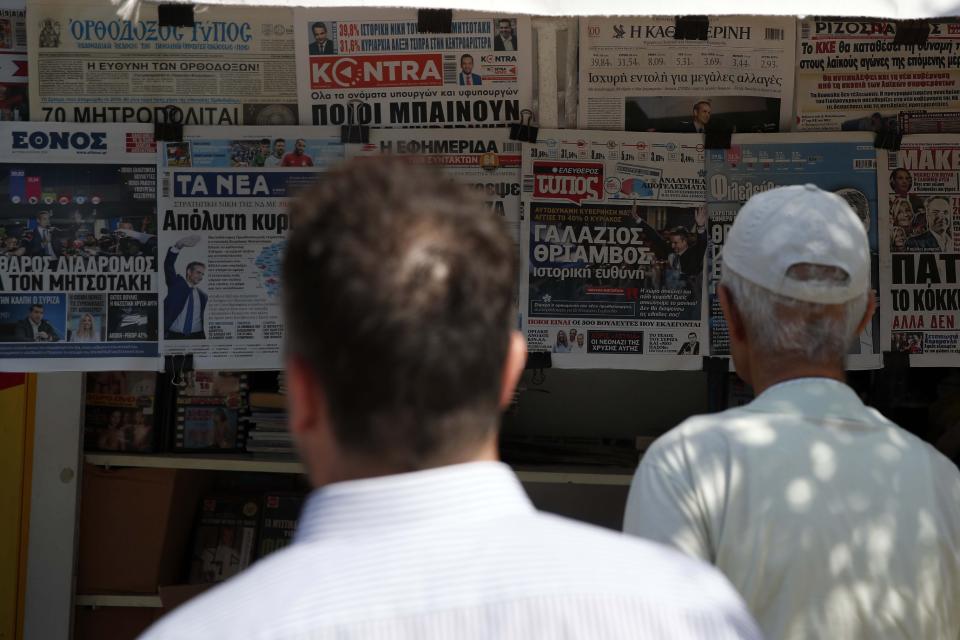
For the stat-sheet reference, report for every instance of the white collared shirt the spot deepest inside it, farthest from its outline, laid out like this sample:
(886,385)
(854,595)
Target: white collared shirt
(459,553)
(831,521)
(181,320)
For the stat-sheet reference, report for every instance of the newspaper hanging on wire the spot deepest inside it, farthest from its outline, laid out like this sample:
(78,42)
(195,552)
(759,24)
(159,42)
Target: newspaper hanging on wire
(14,92)
(842,164)
(919,188)
(634,76)
(852,77)
(372,66)
(223,223)
(78,247)
(233,66)
(614,229)
(485,159)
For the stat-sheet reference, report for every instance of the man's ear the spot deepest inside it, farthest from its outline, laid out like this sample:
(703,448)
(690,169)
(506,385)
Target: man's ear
(306,398)
(513,366)
(735,327)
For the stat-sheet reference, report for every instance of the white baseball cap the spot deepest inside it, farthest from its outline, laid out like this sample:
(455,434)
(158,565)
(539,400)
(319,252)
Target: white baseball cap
(799,224)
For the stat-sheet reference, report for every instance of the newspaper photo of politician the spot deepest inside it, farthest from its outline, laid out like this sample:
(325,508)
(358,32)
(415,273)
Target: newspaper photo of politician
(698,114)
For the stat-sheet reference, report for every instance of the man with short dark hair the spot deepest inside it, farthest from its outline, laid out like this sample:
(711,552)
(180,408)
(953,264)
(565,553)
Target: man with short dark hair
(275,159)
(830,520)
(506,40)
(298,157)
(34,328)
(702,110)
(44,241)
(321,45)
(185,302)
(467,76)
(401,355)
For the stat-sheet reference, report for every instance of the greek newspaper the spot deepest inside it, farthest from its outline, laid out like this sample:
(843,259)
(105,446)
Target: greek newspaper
(372,67)
(614,229)
(485,159)
(232,67)
(919,188)
(844,164)
(14,93)
(635,76)
(852,77)
(223,223)
(78,262)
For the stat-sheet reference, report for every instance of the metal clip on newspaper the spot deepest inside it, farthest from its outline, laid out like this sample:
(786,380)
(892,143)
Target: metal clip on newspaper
(717,135)
(178,367)
(434,20)
(524,131)
(691,27)
(889,140)
(912,32)
(353,131)
(170,129)
(174,15)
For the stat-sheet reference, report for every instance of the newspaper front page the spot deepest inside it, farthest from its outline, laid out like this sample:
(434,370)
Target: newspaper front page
(614,235)
(372,67)
(852,77)
(233,67)
(223,224)
(634,76)
(14,92)
(919,190)
(842,164)
(78,261)
(485,159)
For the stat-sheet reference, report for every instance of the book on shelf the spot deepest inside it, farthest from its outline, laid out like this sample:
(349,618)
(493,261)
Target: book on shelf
(281,511)
(225,537)
(211,413)
(268,400)
(120,411)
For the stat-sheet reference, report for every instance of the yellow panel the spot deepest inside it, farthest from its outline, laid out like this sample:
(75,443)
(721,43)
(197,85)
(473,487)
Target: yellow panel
(13,468)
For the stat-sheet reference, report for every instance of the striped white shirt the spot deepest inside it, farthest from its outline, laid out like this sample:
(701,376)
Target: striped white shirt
(458,552)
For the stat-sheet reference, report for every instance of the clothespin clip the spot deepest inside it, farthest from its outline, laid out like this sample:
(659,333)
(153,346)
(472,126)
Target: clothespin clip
(691,27)
(175,15)
(171,129)
(889,140)
(434,20)
(353,131)
(717,135)
(911,32)
(524,131)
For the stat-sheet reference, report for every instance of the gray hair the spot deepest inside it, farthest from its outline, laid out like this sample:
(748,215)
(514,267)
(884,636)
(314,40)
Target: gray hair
(787,326)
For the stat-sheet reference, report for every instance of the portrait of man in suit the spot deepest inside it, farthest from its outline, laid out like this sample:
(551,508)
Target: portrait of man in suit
(185,303)
(506,39)
(321,45)
(701,116)
(467,76)
(937,236)
(34,328)
(43,242)
(691,347)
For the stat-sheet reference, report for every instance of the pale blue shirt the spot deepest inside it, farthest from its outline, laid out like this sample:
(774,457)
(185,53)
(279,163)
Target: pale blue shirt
(830,520)
(459,553)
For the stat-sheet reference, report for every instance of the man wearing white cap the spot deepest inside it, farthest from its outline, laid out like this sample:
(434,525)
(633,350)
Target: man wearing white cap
(830,520)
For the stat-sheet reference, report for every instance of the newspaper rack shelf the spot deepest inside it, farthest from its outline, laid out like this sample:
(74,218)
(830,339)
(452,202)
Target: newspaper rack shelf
(551,475)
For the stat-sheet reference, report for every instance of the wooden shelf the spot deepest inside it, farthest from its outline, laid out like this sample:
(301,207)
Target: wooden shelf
(194,461)
(531,474)
(108,600)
